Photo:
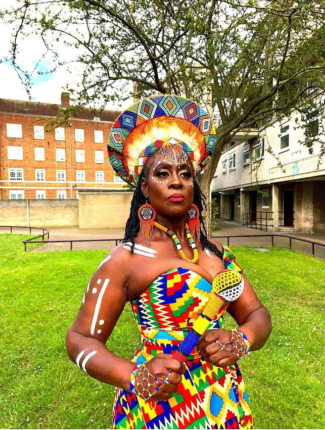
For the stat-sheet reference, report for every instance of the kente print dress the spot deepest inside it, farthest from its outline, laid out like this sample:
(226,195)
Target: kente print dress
(208,397)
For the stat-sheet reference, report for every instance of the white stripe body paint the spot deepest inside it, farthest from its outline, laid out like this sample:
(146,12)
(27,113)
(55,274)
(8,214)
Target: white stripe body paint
(142,248)
(208,252)
(104,261)
(146,254)
(79,357)
(86,360)
(97,307)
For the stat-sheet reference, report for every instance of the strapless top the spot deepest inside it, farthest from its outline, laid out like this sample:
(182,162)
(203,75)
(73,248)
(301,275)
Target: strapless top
(168,308)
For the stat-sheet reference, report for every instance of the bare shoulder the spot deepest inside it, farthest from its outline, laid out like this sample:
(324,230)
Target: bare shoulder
(117,261)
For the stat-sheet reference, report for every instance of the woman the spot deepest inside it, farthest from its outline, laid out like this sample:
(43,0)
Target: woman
(165,268)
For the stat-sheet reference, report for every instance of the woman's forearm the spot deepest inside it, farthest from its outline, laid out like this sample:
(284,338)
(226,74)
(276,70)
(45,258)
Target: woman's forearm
(257,328)
(93,357)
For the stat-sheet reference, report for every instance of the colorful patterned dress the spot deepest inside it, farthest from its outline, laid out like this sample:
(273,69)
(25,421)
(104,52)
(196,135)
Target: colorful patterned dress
(208,397)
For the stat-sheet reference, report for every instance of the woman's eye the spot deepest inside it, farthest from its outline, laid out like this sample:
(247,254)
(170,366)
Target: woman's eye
(162,174)
(186,174)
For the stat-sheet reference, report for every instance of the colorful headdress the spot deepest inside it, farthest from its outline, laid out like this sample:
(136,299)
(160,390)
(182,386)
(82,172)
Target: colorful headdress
(154,124)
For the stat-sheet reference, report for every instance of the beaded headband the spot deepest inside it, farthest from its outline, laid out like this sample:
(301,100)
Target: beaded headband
(160,123)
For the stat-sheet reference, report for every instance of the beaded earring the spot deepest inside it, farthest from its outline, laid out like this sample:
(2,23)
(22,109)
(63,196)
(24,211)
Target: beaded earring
(194,222)
(147,216)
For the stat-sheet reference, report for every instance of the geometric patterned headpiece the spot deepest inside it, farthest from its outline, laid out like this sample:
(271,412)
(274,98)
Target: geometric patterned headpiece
(159,120)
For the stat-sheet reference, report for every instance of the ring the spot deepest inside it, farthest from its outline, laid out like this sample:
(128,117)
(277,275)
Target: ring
(166,380)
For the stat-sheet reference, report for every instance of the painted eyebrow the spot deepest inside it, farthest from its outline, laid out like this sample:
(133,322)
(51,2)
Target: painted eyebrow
(171,165)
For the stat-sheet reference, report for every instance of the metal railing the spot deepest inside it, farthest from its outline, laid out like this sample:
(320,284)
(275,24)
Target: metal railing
(258,219)
(45,232)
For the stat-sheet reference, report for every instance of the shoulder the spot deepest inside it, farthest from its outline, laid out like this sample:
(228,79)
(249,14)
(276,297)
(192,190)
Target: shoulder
(218,244)
(116,261)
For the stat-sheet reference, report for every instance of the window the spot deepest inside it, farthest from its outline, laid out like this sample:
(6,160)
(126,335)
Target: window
(284,138)
(224,165)
(99,156)
(258,149)
(265,199)
(100,176)
(59,133)
(80,155)
(80,175)
(15,152)
(232,162)
(238,201)
(118,179)
(246,155)
(38,132)
(16,174)
(40,174)
(61,195)
(14,130)
(79,135)
(311,129)
(40,195)
(60,154)
(99,136)
(15,195)
(39,154)
(60,175)
(96,118)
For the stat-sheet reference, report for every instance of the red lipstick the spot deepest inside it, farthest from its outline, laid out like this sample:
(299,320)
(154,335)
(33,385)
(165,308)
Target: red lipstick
(176,198)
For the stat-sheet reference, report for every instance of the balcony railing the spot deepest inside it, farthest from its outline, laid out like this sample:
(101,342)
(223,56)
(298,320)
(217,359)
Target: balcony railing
(259,220)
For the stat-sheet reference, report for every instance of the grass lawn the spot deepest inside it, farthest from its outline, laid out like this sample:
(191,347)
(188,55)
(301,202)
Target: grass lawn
(40,294)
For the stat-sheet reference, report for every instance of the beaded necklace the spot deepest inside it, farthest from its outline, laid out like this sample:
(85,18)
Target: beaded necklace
(178,244)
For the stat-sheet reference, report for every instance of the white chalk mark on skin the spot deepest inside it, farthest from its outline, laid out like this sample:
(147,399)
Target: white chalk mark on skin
(142,248)
(156,166)
(190,184)
(99,281)
(94,290)
(104,261)
(78,358)
(86,360)
(101,322)
(97,307)
(145,254)
(99,331)
(88,286)
(207,252)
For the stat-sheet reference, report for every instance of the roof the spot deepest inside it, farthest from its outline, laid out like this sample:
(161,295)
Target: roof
(49,109)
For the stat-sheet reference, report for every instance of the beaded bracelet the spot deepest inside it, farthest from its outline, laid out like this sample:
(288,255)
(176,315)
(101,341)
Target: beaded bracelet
(240,344)
(144,384)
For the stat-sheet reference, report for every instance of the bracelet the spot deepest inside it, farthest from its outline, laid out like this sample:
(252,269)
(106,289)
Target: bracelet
(144,384)
(240,344)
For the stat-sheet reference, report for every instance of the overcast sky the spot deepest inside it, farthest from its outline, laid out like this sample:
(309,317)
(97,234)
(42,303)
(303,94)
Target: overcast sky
(46,88)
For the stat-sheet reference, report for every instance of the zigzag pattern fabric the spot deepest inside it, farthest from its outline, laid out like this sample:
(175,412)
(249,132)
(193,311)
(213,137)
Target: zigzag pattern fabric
(156,118)
(208,397)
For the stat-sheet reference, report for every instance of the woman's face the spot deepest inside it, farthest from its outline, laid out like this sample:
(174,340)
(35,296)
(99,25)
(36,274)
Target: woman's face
(168,186)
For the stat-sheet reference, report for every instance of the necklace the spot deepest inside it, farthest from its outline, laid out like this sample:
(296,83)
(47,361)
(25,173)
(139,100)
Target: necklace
(178,244)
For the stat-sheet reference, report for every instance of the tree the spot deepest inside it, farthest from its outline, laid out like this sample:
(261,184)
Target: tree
(255,59)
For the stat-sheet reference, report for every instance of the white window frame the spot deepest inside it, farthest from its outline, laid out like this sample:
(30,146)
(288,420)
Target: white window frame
(60,154)
(38,132)
(265,194)
(80,155)
(99,136)
(224,165)
(232,162)
(259,145)
(238,201)
(246,150)
(60,133)
(118,179)
(284,131)
(16,192)
(15,153)
(39,175)
(61,195)
(79,135)
(40,195)
(17,173)
(39,157)
(100,159)
(15,130)
(61,175)
(99,176)
(80,176)
(96,118)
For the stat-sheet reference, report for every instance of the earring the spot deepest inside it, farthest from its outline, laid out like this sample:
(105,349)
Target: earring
(147,216)
(194,222)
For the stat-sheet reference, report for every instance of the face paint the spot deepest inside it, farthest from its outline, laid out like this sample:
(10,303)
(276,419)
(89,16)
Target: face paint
(136,251)
(97,307)
(94,290)
(104,261)
(85,361)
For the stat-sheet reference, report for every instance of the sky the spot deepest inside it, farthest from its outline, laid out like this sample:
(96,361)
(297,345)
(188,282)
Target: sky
(45,88)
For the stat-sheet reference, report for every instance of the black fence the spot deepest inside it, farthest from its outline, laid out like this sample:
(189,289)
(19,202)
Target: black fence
(259,220)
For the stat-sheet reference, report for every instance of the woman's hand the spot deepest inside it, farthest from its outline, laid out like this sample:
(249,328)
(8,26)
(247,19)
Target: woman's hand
(159,366)
(211,350)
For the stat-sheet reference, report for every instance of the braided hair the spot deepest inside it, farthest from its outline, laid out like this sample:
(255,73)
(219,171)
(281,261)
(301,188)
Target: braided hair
(132,227)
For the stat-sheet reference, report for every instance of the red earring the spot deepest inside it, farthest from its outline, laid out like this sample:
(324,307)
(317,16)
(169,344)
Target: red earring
(194,223)
(147,216)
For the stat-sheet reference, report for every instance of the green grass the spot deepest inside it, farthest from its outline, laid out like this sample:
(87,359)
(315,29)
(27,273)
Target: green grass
(40,294)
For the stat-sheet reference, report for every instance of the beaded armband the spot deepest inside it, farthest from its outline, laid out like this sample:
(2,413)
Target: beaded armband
(240,344)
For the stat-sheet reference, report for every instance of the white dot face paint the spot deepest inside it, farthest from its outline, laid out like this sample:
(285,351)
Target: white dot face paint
(99,281)
(99,331)
(101,322)
(94,290)
(190,184)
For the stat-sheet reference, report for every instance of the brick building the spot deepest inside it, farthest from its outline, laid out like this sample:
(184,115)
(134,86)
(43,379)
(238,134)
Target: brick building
(35,164)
